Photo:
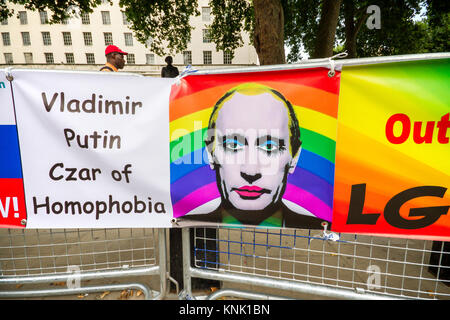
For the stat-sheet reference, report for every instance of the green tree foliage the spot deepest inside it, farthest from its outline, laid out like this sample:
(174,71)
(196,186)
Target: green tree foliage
(61,9)
(164,25)
(437,25)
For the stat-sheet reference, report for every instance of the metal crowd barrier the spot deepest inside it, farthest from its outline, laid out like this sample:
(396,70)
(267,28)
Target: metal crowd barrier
(309,264)
(67,259)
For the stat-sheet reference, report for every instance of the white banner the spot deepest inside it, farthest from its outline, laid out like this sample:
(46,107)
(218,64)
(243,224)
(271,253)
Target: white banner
(94,149)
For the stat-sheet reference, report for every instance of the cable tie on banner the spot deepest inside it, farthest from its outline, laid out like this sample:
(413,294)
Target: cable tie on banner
(328,235)
(188,70)
(8,72)
(174,222)
(325,235)
(332,71)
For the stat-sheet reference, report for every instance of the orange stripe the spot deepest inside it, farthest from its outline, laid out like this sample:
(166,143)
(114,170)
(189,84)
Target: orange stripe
(308,97)
(381,186)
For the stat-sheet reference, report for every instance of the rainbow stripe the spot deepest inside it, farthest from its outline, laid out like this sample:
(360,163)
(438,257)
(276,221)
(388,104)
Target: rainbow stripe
(315,98)
(418,89)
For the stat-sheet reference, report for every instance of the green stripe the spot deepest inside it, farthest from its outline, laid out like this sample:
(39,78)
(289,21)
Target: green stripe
(312,141)
(318,144)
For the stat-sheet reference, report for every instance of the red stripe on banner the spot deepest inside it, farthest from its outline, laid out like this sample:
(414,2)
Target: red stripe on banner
(12,203)
(315,77)
(304,96)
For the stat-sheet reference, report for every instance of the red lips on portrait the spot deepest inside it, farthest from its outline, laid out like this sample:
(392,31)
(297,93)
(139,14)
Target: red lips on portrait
(250,192)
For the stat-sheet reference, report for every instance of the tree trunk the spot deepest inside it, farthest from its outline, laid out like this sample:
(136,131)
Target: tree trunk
(353,19)
(350,34)
(269,31)
(327,29)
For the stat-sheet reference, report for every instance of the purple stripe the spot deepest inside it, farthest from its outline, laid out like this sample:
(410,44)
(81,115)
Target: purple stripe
(301,178)
(196,199)
(308,201)
(315,185)
(192,181)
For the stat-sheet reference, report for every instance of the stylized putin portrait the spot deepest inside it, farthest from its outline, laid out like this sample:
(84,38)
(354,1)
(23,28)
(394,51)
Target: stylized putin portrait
(253,144)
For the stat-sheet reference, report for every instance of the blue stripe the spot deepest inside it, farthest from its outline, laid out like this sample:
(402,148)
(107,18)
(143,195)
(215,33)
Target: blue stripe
(199,175)
(317,165)
(184,165)
(309,161)
(10,166)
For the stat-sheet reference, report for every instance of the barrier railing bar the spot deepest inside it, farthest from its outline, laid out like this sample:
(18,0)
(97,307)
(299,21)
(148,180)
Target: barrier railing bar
(154,270)
(69,291)
(322,290)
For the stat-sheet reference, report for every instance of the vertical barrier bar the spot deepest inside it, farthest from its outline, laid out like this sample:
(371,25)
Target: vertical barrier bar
(186,261)
(162,263)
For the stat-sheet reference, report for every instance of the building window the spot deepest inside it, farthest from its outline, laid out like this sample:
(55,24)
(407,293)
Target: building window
(106,18)
(207,57)
(150,58)
(65,21)
(206,37)
(44,17)
(125,19)
(206,14)
(187,57)
(70,59)
(6,39)
(4,21)
(90,58)
(85,18)
(108,38)
(26,39)
(8,58)
(128,38)
(227,57)
(23,17)
(130,58)
(46,38)
(87,38)
(67,38)
(28,57)
(49,57)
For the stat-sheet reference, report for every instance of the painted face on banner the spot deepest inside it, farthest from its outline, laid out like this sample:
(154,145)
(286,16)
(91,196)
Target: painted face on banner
(252,150)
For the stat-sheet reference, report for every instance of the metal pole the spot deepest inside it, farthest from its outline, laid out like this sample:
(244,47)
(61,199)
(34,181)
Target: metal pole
(186,261)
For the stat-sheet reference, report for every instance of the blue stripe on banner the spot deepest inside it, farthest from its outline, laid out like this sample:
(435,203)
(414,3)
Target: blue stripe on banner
(185,165)
(309,161)
(201,175)
(315,185)
(317,165)
(10,166)
(191,182)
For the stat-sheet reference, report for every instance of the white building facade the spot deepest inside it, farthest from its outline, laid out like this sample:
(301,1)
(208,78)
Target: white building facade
(79,42)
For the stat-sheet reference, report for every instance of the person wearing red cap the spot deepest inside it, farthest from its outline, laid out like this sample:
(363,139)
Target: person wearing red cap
(114,59)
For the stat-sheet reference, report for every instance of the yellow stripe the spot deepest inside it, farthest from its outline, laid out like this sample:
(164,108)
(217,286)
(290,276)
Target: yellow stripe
(316,122)
(190,123)
(308,119)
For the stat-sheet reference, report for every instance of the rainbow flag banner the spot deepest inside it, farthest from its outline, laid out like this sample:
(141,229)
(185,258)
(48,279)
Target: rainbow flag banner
(353,146)
(393,151)
(217,178)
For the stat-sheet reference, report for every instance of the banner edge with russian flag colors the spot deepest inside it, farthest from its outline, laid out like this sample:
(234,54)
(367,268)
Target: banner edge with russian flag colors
(12,197)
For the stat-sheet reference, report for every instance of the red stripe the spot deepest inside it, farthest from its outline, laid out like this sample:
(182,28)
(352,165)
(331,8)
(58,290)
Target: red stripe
(10,214)
(315,77)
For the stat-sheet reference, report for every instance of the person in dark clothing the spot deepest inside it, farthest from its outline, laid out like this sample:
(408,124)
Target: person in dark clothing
(169,71)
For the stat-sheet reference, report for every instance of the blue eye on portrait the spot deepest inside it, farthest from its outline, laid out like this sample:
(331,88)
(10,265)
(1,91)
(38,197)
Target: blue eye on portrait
(269,146)
(232,145)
